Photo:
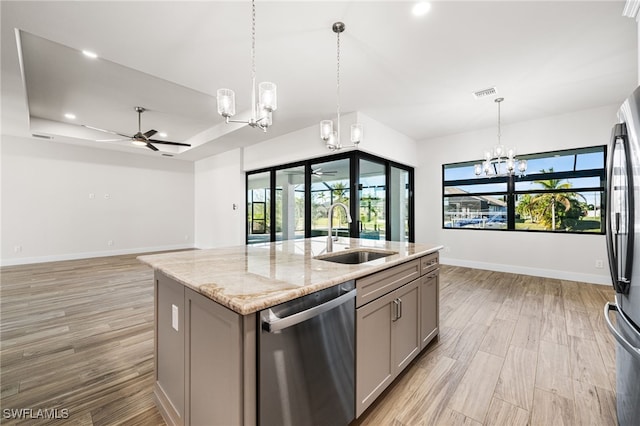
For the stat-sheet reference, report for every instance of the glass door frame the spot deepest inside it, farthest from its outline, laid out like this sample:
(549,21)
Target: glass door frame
(354,196)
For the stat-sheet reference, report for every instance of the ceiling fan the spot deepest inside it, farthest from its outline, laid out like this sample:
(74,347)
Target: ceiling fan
(314,172)
(142,139)
(319,172)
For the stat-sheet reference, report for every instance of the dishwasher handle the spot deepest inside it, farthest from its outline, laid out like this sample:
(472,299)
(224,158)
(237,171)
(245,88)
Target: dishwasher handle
(275,324)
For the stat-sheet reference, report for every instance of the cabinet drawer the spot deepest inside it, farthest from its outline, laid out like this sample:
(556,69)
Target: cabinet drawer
(428,263)
(378,284)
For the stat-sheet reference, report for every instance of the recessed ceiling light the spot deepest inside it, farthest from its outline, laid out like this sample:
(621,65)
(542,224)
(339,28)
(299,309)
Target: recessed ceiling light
(89,54)
(162,134)
(421,9)
(70,116)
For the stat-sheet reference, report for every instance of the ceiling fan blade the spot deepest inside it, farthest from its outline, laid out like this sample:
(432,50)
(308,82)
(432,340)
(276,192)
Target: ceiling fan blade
(152,147)
(149,133)
(105,131)
(169,142)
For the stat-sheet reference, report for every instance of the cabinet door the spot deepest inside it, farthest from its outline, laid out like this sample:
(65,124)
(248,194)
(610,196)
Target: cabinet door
(429,293)
(405,340)
(374,364)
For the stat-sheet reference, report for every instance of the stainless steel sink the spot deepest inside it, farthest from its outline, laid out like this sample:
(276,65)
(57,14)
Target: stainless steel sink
(355,257)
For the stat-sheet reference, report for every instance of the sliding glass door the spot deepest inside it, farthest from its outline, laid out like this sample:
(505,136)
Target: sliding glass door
(399,204)
(372,192)
(330,183)
(292,201)
(258,207)
(289,203)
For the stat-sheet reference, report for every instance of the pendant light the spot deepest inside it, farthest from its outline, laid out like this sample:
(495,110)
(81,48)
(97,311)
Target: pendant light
(261,111)
(500,161)
(327,133)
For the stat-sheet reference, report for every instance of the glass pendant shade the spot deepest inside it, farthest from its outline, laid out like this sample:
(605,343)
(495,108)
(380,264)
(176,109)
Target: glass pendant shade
(226,102)
(356,133)
(265,116)
(522,166)
(332,141)
(326,129)
(267,96)
(477,169)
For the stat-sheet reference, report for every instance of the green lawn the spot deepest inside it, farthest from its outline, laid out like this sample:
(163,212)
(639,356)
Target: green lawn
(585,225)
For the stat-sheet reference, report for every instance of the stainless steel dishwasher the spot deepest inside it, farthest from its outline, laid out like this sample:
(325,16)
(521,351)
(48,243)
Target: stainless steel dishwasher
(306,362)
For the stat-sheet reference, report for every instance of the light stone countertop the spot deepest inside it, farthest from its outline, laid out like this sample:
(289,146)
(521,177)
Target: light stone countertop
(249,278)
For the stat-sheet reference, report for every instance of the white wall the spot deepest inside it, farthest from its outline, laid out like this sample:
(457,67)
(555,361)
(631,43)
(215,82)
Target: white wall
(544,254)
(139,203)
(304,144)
(220,179)
(219,184)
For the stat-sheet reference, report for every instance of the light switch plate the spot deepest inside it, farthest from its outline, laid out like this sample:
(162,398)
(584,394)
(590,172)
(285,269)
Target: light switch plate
(174,317)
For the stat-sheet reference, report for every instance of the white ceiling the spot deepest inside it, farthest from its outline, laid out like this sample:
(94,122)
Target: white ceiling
(415,75)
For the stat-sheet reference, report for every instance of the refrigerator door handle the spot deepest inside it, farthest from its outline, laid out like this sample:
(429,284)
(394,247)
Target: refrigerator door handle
(635,352)
(621,279)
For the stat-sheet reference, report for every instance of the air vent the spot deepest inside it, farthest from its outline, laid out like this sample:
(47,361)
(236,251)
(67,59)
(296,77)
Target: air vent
(35,135)
(167,155)
(491,91)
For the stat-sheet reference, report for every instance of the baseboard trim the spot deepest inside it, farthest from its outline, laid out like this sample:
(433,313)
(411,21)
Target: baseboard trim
(88,255)
(524,270)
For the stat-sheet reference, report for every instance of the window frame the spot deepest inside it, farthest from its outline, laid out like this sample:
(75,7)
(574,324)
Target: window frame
(511,193)
(354,157)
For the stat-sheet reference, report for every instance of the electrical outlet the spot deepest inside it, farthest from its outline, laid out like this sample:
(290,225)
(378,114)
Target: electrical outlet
(447,249)
(92,196)
(107,196)
(174,317)
(17,249)
(186,237)
(599,263)
(110,243)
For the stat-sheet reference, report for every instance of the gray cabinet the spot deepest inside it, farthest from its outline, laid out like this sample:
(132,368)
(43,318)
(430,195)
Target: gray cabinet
(213,363)
(405,337)
(429,309)
(205,359)
(396,317)
(387,340)
(169,349)
(374,358)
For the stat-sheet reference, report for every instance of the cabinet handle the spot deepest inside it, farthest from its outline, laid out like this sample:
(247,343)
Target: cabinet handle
(399,308)
(396,310)
(433,274)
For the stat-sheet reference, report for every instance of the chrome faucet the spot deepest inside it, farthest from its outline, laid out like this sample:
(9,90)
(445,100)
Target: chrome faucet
(330,237)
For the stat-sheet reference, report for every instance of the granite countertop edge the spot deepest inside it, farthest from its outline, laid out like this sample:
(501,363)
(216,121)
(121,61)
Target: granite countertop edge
(183,268)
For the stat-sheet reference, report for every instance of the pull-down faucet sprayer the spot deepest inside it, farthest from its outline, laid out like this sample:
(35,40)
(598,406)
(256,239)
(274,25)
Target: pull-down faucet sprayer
(330,237)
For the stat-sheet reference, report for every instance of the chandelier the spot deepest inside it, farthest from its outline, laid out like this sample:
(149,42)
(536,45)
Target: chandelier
(327,132)
(261,111)
(500,161)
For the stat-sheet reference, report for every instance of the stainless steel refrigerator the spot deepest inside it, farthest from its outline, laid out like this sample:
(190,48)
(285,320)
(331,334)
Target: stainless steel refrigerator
(623,247)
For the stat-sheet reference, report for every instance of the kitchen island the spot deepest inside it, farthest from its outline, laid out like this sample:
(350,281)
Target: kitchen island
(207,322)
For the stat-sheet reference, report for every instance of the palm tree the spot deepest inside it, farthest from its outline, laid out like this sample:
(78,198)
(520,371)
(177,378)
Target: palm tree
(553,200)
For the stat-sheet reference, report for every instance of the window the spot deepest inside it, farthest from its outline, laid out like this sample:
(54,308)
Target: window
(563,191)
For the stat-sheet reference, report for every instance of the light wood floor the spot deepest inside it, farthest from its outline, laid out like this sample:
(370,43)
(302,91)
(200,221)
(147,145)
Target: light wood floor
(512,350)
